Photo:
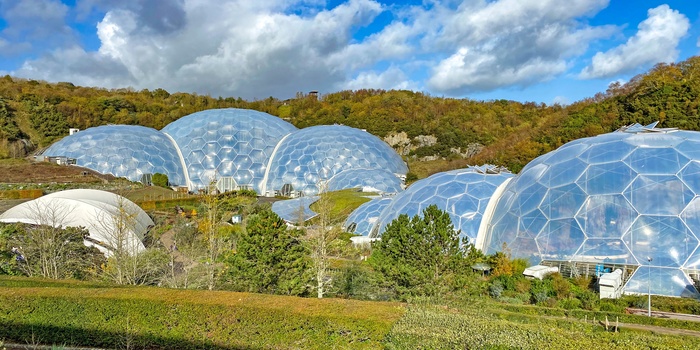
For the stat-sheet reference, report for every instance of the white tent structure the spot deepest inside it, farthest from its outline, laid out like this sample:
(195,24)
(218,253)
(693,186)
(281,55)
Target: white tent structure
(113,222)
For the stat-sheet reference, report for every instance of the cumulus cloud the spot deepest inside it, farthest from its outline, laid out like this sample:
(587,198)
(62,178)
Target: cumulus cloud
(261,48)
(509,42)
(251,49)
(656,41)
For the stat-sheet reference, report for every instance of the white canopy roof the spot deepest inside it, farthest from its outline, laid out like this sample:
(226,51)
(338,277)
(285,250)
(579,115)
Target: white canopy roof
(111,219)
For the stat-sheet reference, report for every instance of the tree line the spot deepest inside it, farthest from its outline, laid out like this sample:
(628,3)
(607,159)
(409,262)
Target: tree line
(512,133)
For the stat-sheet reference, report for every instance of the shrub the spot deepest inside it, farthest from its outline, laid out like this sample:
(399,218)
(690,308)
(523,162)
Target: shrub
(496,289)
(610,306)
(160,180)
(569,303)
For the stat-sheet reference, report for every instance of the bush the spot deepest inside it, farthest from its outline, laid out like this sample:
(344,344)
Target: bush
(569,303)
(496,289)
(610,306)
(160,180)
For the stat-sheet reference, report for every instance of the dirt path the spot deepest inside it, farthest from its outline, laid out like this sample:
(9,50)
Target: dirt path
(660,330)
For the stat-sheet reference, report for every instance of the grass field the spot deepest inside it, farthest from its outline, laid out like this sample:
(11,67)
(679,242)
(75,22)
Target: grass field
(94,314)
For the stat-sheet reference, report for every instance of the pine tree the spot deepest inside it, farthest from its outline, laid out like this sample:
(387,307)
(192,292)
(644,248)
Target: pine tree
(419,255)
(270,258)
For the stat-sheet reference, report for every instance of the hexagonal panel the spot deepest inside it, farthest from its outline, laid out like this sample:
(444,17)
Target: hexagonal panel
(607,152)
(661,281)
(606,216)
(560,239)
(563,173)
(658,195)
(663,238)
(563,202)
(690,175)
(691,216)
(656,160)
(609,251)
(606,178)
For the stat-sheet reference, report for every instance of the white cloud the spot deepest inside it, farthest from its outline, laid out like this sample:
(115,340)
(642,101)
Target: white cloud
(656,41)
(561,100)
(242,48)
(509,42)
(255,49)
(391,79)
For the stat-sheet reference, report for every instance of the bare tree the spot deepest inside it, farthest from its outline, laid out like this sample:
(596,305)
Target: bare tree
(128,261)
(46,247)
(214,241)
(320,237)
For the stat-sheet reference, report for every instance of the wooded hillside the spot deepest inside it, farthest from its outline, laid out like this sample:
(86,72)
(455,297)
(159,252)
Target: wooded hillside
(33,114)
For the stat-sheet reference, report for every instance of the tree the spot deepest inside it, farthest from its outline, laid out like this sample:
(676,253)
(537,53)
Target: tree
(270,258)
(160,180)
(128,261)
(319,237)
(215,242)
(67,257)
(419,255)
(47,248)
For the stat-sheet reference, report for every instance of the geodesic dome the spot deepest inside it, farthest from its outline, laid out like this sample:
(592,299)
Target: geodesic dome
(122,150)
(110,219)
(362,220)
(315,154)
(293,210)
(223,143)
(463,194)
(618,198)
(374,180)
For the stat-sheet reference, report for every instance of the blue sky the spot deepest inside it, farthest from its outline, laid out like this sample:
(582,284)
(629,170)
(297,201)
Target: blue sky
(549,51)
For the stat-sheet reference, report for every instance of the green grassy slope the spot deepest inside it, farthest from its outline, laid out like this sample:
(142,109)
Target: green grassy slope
(92,314)
(157,318)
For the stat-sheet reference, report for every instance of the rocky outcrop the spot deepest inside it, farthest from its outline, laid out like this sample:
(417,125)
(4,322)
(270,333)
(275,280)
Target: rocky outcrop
(404,145)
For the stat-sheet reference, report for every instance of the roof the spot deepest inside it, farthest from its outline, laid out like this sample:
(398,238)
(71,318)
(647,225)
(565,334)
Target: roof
(110,219)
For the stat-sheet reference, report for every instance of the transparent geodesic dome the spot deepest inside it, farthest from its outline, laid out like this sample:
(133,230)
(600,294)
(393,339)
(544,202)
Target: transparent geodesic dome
(122,150)
(463,194)
(223,143)
(374,180)
(313,155)
(362,220)
(293,210)
(616,199)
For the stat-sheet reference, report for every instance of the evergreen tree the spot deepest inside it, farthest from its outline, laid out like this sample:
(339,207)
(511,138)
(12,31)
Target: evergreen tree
(419,255)
(270,258)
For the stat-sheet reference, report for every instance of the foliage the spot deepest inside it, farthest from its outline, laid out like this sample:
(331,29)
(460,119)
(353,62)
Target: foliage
(419,255)
(270,258)
(512,133)
(47,251)
(160,180)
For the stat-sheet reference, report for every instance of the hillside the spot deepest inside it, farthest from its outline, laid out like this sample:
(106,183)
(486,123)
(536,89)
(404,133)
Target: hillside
(456,132)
